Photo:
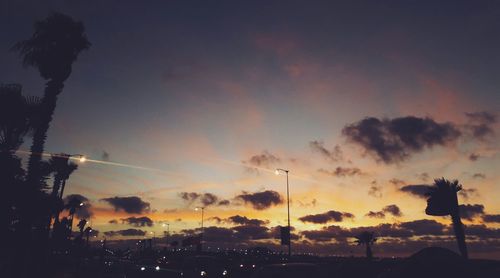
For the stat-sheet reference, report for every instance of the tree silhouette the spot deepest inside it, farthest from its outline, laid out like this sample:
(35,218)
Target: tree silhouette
(368,239)
(443,201)
(52,49)
(17,117)
(62,168)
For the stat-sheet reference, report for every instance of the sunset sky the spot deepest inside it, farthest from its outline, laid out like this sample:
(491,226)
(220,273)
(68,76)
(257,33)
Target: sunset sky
(362,101)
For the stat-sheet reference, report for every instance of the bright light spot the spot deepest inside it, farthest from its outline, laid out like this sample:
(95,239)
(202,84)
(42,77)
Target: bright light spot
(203,273)
(143,268)
(241,265)
(81,204)
(253,266)
(224,273)
(157,268)
(276,172)
(83,159)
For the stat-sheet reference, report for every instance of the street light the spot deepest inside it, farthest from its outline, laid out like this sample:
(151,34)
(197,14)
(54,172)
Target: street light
(202,213)
(277,172)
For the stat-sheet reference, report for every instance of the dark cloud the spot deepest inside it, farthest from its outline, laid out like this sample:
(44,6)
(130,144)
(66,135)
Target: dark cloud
(479,176)
(332,155)
(206,199)
(243,220)
(401,230)
(265,159)
(397,182)
(189,197)
(138,221)
(251,232)
(83,212)
(491,218)
(482,231)
(343,172)
(127,232)
(468,193)
(393,209)
(261,200)
(469,212)
(375,214)
(424,227)
(474,157)
(132,204)
(375,191)
(481,124)
(418,190)
(395,140)
(113,221)
(423,177)
(329,216)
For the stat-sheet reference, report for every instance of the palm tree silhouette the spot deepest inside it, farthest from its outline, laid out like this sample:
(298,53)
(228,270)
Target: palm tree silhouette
(17,117)
(72,205)
(62,168)
(52,49)
(443,201)
(368,239)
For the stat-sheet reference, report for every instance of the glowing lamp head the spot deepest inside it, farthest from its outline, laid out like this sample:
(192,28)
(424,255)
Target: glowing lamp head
(81,204)
(82,159)
(276,172)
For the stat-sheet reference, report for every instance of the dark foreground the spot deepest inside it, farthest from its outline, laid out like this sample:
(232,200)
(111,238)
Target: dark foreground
(427,263)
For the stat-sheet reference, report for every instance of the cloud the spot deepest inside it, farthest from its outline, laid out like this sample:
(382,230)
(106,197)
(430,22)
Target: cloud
(261,200)
(127,232)
(482,231)
(401,230)
(132,204)
(206,199)
(333,155)
(469,212)
(189,197)
(418,190)
(397,182)
(375,191)
(251,232)
(375,214)
(138,221)
(423,176)
(480,124)
(83,212)
(224,203)
(265,159)
(243,220)
(468,193)
(329,216)
(479,176)
(395,140)
(113,221)
(343,172)
(393,209)
(474,157)
(424,227)
(491,218)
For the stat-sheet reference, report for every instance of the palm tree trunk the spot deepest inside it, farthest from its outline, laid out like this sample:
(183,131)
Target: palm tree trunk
(459,233)
(369,254)
(52,89)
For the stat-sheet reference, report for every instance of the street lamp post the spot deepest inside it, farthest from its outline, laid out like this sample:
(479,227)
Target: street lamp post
(277,172)
(168,231)
(202,229)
